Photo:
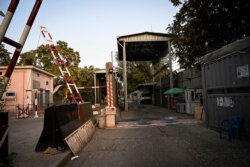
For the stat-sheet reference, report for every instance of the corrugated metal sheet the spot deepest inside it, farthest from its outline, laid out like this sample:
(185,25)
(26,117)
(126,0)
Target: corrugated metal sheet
(145,36)
(160,99)
(223,73)
(216,111)
(226,83)
(235,47)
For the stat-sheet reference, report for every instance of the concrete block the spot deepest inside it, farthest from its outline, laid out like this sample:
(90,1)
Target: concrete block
(110,120)
(110,110)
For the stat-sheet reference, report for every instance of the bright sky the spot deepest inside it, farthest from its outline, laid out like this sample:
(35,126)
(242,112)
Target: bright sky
(90,27)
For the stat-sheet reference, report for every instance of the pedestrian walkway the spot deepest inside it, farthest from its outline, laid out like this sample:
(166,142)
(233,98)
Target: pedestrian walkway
(23,137)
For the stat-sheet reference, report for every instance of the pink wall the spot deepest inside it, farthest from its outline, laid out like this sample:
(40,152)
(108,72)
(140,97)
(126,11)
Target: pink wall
(22,83)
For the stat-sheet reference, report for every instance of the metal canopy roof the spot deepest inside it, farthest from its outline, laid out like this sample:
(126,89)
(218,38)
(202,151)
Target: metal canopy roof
(145,46)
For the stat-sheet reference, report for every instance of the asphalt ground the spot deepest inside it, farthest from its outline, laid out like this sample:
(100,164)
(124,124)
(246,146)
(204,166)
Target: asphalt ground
(23,137)
(146,135)
(160,146)
(153,136)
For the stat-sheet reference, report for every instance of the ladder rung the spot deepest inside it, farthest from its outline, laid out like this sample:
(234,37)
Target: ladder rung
(65,71)
(11,42)
(48,40)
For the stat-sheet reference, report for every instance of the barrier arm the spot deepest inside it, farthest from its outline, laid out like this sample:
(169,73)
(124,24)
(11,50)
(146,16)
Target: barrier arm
(19,46)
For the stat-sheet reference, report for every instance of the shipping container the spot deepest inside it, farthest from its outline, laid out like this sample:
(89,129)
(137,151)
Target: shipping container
(226,83)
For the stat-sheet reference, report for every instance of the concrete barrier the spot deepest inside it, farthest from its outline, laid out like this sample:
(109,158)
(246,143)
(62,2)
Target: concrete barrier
(62,121)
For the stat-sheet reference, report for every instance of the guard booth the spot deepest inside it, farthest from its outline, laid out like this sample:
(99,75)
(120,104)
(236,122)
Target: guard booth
(226,83)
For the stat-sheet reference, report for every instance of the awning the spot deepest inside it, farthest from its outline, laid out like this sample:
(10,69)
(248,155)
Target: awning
(174,91)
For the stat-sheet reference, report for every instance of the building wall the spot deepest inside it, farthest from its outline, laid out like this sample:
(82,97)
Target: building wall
(22,83)
(189,78)
(42,81)
(19,83)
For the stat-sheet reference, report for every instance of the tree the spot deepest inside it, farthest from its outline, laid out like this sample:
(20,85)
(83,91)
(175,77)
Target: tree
(4,56)
(202,26)
(85,78)
(42,58)
(137,72)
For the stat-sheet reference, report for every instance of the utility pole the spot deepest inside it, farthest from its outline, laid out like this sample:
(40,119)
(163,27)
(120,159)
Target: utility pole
(170,64)
(170,72)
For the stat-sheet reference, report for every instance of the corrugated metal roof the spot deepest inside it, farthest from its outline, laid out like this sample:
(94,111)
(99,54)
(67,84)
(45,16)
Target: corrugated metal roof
(145,46)
(233,48)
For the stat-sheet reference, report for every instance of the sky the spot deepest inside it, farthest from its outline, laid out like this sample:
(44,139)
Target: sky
(90,27)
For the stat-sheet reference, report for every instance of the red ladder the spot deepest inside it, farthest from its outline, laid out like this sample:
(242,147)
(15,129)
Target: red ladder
(60,62)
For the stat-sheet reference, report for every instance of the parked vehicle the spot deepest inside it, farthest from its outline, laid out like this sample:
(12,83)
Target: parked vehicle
(144,97)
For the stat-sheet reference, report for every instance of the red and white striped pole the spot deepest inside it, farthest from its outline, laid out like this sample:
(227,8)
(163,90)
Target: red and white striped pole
(111,93)
(3,28)
(108,93)
(22,40)
(36,105)
(110,109)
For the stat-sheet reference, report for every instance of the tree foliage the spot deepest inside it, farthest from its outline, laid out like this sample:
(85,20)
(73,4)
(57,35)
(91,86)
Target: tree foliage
(137,72)
(202,26)
(42,58)
(4,56)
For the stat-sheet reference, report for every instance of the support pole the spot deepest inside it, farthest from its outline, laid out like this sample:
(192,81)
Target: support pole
(110,109)
(125,77)
(95,89)
(171,72)
(170,64)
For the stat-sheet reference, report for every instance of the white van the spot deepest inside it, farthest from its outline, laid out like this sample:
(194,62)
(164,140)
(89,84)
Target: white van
(144,97)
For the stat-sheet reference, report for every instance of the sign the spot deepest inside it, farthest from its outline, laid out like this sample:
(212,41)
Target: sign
(242,71)
(225,102)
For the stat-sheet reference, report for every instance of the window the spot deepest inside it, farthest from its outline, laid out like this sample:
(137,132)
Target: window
(36,84)
(47,82)
(37,74)
(1,73)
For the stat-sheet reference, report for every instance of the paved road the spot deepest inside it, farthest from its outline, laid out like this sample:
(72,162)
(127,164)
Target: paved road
(152,136)
(23,137)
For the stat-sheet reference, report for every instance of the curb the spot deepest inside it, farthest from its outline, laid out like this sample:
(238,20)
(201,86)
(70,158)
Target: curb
(65,159)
